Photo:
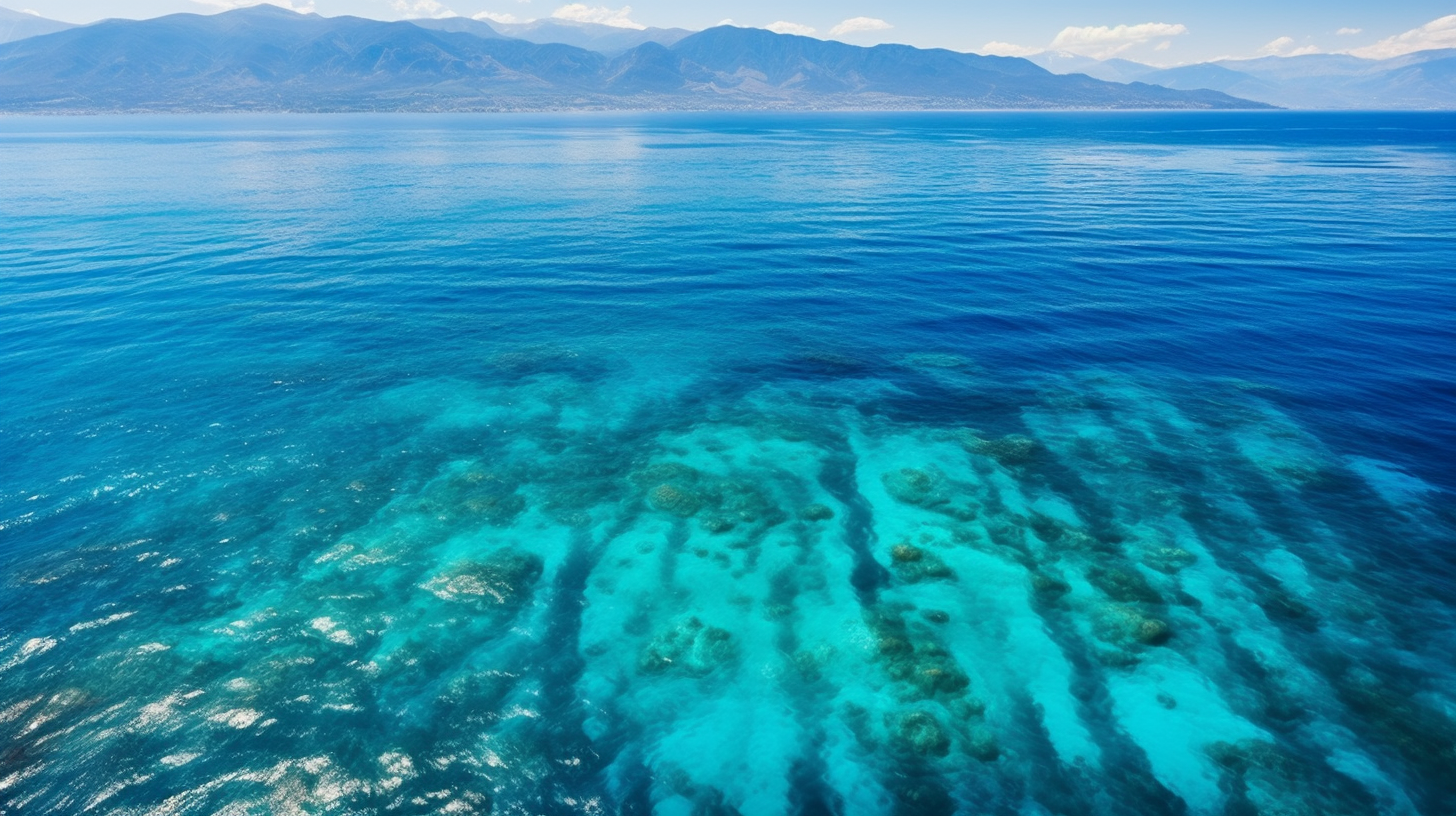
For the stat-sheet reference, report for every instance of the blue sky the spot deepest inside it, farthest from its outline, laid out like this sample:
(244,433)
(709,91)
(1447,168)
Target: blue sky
(1166,33)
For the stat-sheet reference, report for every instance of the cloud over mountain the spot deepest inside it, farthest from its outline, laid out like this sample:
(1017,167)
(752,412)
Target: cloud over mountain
(1102,42)
(786,27)
(582,13)
(1097,42)
(857,24)
(1438,33)
(420,8)
(1284,47)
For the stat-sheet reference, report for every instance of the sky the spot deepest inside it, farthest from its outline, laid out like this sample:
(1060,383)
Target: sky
(1158,32)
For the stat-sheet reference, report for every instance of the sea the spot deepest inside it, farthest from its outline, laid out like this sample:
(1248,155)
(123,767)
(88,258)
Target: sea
(1013,463)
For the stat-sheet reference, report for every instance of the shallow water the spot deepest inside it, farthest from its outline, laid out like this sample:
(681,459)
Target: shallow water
(863,464)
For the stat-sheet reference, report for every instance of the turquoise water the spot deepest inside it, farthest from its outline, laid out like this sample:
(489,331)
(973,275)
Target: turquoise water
(756,464)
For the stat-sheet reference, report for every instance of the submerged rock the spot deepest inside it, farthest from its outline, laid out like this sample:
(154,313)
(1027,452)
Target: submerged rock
(1246,754)
(505,578)
(746,503)
(918,732)
(932,674)
(1013,449)
(1271,780)
(675,500)
(1049,587)
(684,491)
(1169,559)
(669,472)
(475,495)
(496,510)
(690,648)
(906,553)
(929,568)
(810,665)
(717,524)
(923,488)
(968,708)
(1399,717)
(1279,604)
(981,743)
(1117,658)
(1123,585)
(915,659)
(1125,625)
(913,564)
(816,512)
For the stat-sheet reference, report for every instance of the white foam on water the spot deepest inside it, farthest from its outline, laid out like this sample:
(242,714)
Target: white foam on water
(32,647)
(99,622)
(236,717)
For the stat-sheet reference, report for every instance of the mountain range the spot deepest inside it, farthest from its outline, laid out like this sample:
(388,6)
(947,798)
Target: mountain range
(265,58)
(1422,80)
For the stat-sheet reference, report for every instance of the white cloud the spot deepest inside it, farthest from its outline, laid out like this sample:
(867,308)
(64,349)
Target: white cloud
(783,27)
(582,13)
(857,24)
(422,8)
(1276,46)
(228,5)
(495,17)
(1101,42)
(1284,47)
(726,21)
(1345,32)
(1006,49)
(1438,33)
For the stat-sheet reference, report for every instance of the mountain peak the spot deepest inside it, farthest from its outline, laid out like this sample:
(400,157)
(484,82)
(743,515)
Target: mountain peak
(266,9)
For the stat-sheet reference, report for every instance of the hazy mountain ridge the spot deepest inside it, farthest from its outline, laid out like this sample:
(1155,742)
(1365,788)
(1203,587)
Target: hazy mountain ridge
(265,58)
(19,25)
(608,40)
(1421,80)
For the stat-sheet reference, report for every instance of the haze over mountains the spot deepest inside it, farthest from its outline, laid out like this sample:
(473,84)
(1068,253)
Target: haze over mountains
(17,25)
(604,39)
(1422,80)
(266,58)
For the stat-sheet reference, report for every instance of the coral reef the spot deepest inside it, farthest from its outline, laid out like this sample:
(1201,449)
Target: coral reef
(503,578)
(691,648)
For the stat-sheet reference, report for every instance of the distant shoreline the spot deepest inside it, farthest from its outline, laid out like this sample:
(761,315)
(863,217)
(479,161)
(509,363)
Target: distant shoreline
(583,110)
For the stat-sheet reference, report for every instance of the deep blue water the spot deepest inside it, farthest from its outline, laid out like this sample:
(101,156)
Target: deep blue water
(1013,463)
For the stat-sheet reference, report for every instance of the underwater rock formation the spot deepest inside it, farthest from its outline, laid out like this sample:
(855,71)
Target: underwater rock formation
(1013,449)
(691,647)
(758,608)
(919,487)
(504,578)
(913,564)
(816,512)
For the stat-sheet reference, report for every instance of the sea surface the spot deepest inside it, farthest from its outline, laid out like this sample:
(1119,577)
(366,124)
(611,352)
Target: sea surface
(973,463)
